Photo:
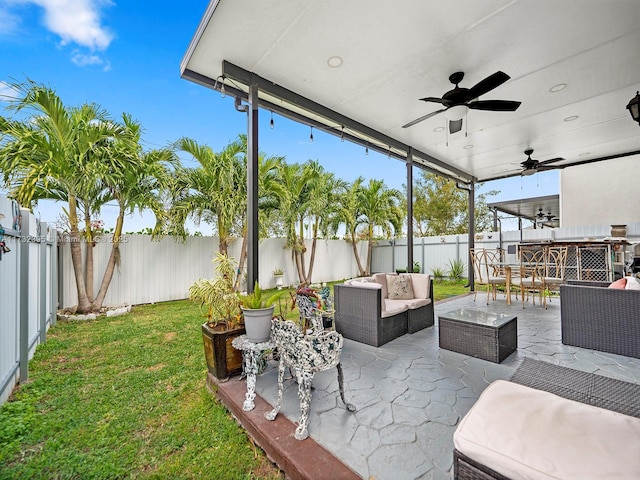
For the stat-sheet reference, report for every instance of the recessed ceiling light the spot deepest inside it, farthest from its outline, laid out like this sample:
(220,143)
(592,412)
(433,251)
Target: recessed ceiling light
(467,147)
(584,154)
(571,118)
(438,129)
(335,61)
(558,87)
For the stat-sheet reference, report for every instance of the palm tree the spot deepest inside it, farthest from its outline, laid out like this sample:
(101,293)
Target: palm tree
(322,206)
(140,183)
(297,183)
(51,154)
(213,191)
(348,213)
(380,207)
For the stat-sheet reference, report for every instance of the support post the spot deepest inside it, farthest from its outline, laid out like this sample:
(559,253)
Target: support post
(410,211)
(252,185)
(472,230)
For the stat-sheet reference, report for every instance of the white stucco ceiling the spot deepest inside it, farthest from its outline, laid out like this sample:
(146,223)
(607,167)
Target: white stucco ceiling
(395,53)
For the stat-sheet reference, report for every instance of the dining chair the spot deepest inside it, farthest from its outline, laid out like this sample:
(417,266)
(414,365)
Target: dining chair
(555,268)
(486,271)
(532,274)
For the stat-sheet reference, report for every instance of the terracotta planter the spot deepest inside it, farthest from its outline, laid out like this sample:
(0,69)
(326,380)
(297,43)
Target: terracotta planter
(223,361)
(257,322)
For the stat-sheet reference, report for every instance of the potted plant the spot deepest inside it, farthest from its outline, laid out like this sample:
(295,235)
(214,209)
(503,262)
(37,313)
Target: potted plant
(258,313)
(278,274)
(223,319)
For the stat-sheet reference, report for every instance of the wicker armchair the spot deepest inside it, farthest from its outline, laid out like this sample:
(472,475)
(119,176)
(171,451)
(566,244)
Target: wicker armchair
(600,318)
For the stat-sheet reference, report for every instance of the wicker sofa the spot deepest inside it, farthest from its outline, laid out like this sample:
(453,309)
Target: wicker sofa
(364,313)
(600,318)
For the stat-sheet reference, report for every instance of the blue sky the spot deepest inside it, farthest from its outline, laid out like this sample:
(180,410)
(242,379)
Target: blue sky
(125,56)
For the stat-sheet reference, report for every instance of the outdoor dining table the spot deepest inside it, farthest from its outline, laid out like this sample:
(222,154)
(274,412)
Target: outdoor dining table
(507,269)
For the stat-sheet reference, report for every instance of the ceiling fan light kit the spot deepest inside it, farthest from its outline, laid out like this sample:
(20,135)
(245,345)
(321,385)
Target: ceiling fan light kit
(634,107)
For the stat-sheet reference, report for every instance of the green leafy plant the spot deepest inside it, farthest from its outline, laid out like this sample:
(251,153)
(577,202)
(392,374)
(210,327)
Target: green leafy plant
(456,269)
(416,267)
(278,271)
(216,296)
(257,299)
(437,273)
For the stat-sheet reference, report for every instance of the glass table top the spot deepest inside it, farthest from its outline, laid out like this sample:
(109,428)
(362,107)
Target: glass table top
(478,317)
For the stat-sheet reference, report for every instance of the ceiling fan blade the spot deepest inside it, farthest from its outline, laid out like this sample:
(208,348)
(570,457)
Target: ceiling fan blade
(545,168)
(435,99)
(424,117)
(552,160)
(455,126)
(495,105)
(488,84)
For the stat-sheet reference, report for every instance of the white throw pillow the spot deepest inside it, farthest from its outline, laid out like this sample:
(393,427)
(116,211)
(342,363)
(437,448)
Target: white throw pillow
(399,287)
(632,284)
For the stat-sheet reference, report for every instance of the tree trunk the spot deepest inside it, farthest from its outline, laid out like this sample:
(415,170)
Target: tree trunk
(84,306)
(354,246)
(114,258)
(313,252)
(301,251)
(88,256)
(243,259)
(369,251)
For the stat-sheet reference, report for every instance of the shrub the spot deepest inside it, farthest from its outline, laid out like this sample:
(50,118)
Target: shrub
(456,269)
(437,273)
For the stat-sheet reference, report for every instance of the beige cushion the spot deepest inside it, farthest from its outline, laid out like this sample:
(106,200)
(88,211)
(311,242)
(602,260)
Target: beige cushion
(391,308)
(528,434)
(417,303)
(399,287)
(381,278)
(371,285)
(420,284)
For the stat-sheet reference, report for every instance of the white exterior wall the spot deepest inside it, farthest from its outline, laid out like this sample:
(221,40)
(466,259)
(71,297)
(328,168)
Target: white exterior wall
(602,193)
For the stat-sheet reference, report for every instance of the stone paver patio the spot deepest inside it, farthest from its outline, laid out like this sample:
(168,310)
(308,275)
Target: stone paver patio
(410,394)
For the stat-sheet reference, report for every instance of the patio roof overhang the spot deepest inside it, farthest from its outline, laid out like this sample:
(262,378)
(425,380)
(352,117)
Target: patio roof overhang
(362,67)
(530,209)
(359,69)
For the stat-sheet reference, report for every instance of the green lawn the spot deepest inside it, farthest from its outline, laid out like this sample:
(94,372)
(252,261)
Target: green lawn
(125,397)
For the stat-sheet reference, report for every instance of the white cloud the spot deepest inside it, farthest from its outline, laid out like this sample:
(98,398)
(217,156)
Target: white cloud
(10,22)
(83,60)
(77,21)
(7,92)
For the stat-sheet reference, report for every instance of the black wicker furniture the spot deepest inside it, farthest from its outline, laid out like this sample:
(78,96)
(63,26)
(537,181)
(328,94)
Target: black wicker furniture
(478,333)
(587,388)
(364,315)
(599,318)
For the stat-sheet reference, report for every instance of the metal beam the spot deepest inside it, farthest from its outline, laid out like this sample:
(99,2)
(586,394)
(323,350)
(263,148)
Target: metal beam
(238,74)
(298,117)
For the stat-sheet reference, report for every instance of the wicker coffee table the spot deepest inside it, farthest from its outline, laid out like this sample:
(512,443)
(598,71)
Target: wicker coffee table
(486,335)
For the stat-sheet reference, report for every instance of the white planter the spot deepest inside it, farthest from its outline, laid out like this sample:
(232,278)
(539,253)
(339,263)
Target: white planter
(279,281)
(257,323)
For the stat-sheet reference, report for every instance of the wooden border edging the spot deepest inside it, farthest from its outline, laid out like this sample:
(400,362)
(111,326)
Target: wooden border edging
(299,459)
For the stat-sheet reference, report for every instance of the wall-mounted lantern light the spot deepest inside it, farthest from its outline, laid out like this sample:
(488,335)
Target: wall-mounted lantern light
(634,107)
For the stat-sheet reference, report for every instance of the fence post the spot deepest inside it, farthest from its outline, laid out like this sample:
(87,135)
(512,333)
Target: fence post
(54,276)
(24,296)
(42,279)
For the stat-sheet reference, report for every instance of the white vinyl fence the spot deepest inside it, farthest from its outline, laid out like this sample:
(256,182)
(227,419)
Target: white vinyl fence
(440,251)
(153,271)
(28,291)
